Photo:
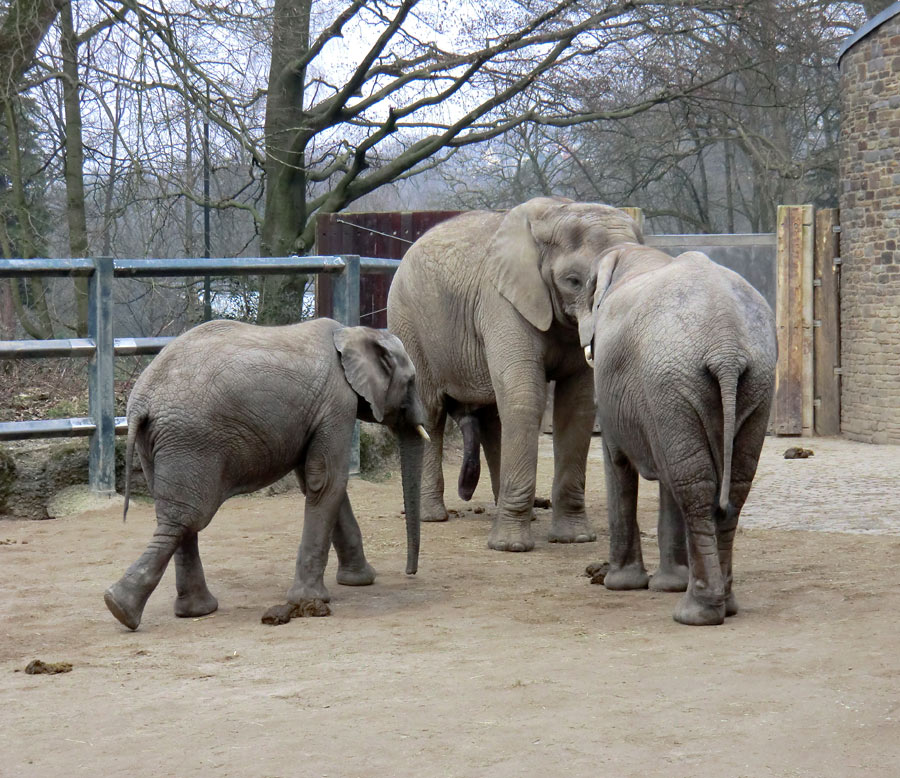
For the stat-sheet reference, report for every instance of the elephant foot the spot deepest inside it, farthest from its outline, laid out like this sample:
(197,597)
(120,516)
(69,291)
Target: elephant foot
(433,511)
(731,606)
(695,613)
(301,592)
(671,579)
(571,531)
(282,614)
(126,602)
(196,604)
(511,537)
(359,576)
(619,579)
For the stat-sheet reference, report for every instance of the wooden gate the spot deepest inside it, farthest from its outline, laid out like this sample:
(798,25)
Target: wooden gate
(807,319)
(386,235)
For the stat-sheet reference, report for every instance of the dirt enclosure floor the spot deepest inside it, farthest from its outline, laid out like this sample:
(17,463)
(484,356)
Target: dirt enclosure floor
(484,664)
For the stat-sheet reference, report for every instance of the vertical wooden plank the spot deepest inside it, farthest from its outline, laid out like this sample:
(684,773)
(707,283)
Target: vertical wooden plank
(793,321)
(827,324)
(786,415)
(635,213)
(807,254)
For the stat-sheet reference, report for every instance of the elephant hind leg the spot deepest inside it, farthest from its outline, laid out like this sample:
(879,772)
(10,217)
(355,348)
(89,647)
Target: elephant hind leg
(177,524)
(127,597)
(432,496)
(491,432)
(353,568)
(704,601)
(193,598)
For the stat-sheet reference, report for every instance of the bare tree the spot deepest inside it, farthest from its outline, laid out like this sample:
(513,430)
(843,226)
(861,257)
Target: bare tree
(722,157)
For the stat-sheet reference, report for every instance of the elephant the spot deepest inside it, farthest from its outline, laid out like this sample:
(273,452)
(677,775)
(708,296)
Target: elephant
(228,408)
(684,354)
(485,303)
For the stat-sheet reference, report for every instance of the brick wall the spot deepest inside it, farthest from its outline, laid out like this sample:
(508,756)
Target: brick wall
(870,237)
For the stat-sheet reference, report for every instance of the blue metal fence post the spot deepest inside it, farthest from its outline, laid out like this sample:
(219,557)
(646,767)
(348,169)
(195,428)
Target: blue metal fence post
(345,292)
(102,393)
(345,309)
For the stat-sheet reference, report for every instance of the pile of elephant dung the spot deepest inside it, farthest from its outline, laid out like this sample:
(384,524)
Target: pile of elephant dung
(40,667)
(597,571)
(282,614)
(796,452)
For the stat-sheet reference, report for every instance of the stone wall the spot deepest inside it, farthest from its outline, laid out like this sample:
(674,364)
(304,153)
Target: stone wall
(870,222)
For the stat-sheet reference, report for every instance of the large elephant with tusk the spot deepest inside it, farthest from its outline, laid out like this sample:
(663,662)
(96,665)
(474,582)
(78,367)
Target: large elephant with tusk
(485,304)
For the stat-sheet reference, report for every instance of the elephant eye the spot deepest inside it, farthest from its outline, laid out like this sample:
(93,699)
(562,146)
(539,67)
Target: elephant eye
(574,282)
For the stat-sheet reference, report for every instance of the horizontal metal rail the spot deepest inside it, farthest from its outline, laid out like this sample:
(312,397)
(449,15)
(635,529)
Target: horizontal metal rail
(378,265)
(136,268)
(13,268)
(77,347)
(55,428)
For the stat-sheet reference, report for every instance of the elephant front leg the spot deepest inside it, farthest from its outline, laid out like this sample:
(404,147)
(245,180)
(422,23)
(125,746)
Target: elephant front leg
(672,575)
(193,598)
(127,597)
(626,562)
(353,568)
(573,422)
(325,478)
(520,414)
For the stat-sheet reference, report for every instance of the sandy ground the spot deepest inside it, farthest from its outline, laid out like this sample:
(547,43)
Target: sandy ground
(484,664)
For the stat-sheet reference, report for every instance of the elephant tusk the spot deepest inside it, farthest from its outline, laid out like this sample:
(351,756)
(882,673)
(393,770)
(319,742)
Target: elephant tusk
(589,355)
(421,430)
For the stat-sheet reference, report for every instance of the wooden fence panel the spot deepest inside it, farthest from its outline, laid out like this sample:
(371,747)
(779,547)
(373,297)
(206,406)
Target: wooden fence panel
(793,407)
(827,324)
(387,235)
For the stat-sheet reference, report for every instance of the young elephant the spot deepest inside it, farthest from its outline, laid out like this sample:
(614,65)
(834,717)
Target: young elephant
(684,357)
(228,408)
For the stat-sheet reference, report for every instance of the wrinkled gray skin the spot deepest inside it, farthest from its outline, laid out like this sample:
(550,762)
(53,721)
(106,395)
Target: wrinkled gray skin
(684,353)
(228,408)
(485,304)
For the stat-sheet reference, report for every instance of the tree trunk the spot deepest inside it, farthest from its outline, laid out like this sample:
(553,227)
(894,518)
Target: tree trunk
(43,327)
(74,159)
(286,138)
(24,27)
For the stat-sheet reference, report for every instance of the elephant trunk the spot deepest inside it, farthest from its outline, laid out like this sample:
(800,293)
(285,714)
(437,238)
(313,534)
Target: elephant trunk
(411,445)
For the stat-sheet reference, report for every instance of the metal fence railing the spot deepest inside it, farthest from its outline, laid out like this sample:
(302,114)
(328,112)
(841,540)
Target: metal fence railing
(101,347)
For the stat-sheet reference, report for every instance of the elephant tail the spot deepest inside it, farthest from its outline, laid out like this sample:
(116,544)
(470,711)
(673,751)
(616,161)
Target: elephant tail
(728,380)
(470,471)
(135,420)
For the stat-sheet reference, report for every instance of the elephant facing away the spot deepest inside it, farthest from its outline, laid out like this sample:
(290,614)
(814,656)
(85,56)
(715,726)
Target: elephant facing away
(228,408)
(684,354)
(485,304)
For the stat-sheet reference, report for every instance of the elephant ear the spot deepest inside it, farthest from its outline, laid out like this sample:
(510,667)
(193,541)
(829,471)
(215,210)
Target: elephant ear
(514,254)
(606,268)
(367,363)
